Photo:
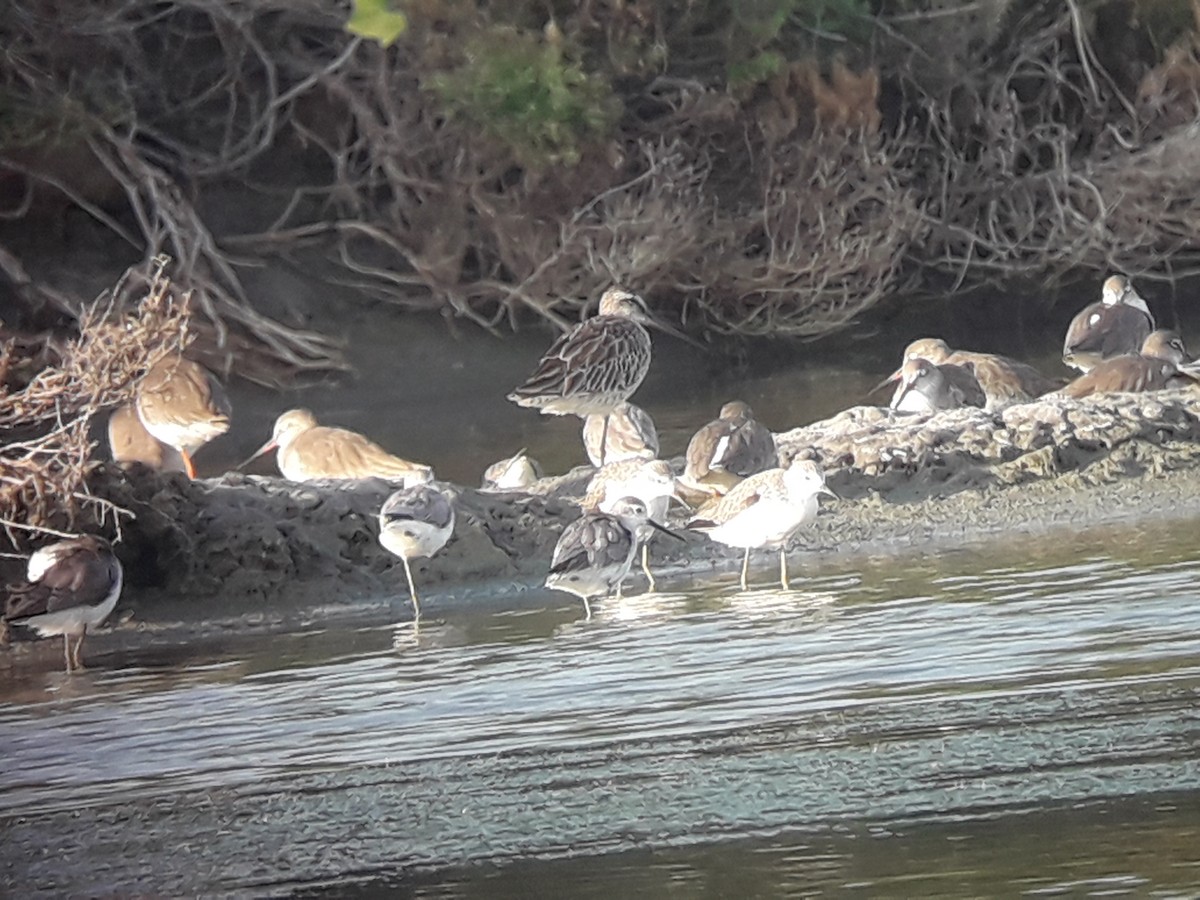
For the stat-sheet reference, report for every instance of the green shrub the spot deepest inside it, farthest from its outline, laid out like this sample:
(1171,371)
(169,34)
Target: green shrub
(521,90)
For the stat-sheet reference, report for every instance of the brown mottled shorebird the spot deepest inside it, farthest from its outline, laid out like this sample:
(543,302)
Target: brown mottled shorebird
(1004,381)
(628,433)
(649,480)
(130,443)
(765,510)
(597,365)
(515,473)
(182,405)
(926,388)
(415,522)
(595,552)
(309,451)
(728,449)
(1155,368)
(1115,326)
(73,585)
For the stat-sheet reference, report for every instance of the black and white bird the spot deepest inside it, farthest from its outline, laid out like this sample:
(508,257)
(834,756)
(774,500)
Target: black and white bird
(73,585)
(416,522)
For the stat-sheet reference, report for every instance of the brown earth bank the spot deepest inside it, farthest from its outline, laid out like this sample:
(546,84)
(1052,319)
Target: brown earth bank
(265,553)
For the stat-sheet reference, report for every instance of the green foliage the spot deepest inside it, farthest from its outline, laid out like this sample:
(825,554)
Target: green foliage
(763,35)
(755,70)
(521,90)
(376,20)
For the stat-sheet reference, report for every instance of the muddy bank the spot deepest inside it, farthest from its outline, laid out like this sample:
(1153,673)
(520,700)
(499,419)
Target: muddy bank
(249,546)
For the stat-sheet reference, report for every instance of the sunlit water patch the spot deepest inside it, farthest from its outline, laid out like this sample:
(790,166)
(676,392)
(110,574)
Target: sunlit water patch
(894,695)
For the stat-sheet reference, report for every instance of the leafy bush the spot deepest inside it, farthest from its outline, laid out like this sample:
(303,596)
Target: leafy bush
(521,90)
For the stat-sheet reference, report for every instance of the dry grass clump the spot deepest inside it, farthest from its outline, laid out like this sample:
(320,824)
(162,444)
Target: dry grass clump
(1072,153)
(46,453)
(501,159)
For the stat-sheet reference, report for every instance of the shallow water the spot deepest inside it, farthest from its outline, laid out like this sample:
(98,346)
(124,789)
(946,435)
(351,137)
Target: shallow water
(990,720)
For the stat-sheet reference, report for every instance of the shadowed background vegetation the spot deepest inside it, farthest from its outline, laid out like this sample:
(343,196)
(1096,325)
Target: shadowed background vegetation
(770,167)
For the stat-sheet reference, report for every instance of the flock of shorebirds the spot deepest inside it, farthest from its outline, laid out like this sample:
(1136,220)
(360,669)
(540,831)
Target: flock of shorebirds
(733,484)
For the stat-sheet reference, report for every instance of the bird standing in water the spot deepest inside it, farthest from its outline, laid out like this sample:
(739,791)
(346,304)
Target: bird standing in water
(595,552)
(415,522)
(73,585)
(765,510)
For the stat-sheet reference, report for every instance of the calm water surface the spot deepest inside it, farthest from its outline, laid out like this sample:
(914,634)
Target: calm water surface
(1021,720)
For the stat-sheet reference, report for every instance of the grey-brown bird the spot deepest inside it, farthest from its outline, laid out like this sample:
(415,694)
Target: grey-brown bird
(130,443)
(1005,381)
(597,365)
(1115,326)
(1155,368)
(73,585)
(926,388)
(514,473)
(181,404)
(731,447)
(308,451)
(628,433)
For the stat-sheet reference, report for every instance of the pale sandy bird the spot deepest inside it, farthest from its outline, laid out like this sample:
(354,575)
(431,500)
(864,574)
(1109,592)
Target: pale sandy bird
(728,449)
(130,443)
(308,451)
(628,433)
(595,552)
(415,522)
(182,405)
(1115,326)
(650,481)
(1004,381)
(597,365)
(765,510)
(515,473)
(1155,368)
(73,586)
(926,388)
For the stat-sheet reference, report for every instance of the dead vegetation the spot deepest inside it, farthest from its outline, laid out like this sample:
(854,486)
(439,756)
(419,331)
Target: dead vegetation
(46,418)
(731,167)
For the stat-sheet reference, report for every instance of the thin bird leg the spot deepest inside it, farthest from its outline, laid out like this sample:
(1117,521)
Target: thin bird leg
(77,653)
(412,589)
(746,570)
(187,464)
(67,653)
(604,441)
(587,608)
(783,578)
(646,566)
